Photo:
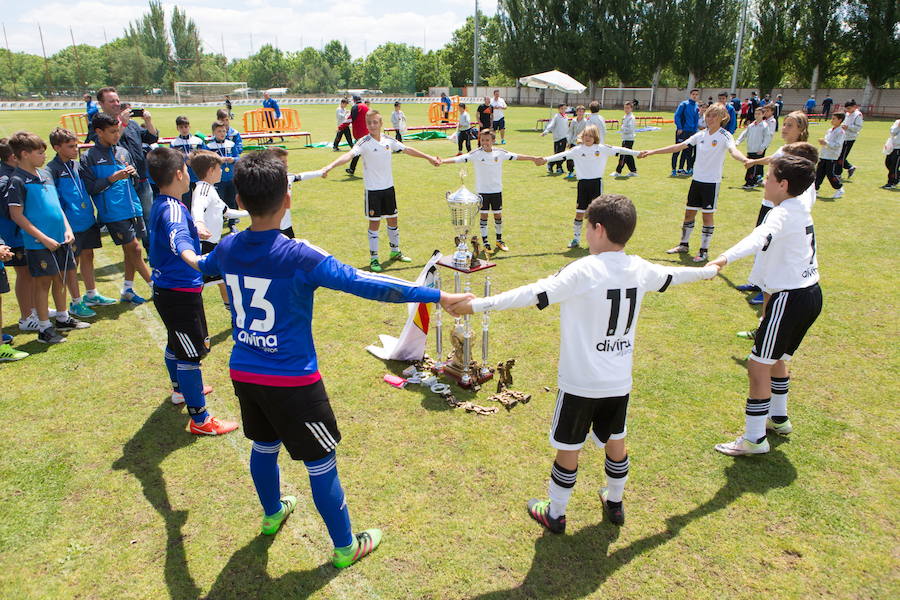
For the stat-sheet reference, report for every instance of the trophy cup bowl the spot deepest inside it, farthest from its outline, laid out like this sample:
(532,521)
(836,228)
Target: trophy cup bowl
(464,211)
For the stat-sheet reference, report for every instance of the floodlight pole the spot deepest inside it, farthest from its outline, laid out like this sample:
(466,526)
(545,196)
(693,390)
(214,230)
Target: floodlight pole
(475,59)
(739,46)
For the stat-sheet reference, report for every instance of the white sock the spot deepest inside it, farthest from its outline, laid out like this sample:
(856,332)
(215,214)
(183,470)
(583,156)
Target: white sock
(755,418)
(778,408)
(562,482)
(42,325)
(90,293)
(62,315)
(394,238)
(34,313)
(484,228)
(576,229)
(686,230)
(706,234)
(616,476)
(373,243)
(498,228)
(127,286)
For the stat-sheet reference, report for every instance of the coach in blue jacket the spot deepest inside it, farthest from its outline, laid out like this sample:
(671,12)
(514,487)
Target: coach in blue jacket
(687,118)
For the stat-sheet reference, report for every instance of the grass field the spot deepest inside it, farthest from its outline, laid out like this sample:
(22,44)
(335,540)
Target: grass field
(105,495)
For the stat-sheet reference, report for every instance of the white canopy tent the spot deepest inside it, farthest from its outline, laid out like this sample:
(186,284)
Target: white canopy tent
(554,80)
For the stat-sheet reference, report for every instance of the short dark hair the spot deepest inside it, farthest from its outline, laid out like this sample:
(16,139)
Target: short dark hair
(60,136)
(103,121)
(839,115)
(217,124)
(163,163)
(202,161)
(5,151)
(616,213)
(261,182)
(396,104)
(182,120)
(277,151)
(560,105)
(221,113)
(462,104)
(799,172)
(850,102)
(25,141)
(106,90)
(594,106)
(693,90)
(723,94)
(803,150)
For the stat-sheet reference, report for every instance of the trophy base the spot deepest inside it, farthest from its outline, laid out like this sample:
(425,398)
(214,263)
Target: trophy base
(476,376)
(447,261)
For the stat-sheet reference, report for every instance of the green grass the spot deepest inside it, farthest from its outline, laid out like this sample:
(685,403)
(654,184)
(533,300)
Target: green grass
(105,495)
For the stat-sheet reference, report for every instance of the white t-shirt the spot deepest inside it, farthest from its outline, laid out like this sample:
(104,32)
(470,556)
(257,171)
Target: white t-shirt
(292,177)
(807,198)
(208,208)
(590,161)
(558,125)
(340,115)
(600,298)
(854,122)
(398,120)
(785,248)
(600,122)
(376,155)
(488,168)
(834,143)
(499,105)
(711,149)
(628,127)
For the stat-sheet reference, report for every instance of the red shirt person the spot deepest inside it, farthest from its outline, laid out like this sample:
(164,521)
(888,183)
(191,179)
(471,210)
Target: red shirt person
(358,125)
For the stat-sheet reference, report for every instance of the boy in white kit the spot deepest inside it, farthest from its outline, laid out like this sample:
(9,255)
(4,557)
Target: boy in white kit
(286,225)
(758,135)
(830,153)
(576,126)
(488,164)
(600,299)
(853,122)
(558,127)
(628,130)
(398,120)
(703,195)
(596,119)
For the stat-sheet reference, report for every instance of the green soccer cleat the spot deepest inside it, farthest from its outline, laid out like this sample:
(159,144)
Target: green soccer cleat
(573,244)
(271,524)
(779,428)
(97,300)
(750,334)
(364,543)
(375,266)
(742,447)
(397,255)
(81,310)
(10,354)
(539,510)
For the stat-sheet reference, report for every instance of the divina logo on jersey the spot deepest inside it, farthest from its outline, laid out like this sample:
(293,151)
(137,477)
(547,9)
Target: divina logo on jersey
(620,347)
(266,343)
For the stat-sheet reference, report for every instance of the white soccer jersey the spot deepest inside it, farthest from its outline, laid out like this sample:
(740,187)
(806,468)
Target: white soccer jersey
(208,208)
(785,248)
(628,127)
(711,149)
(807,198)
(499,107)
(575,129)
(590,161)
(854,123)
(376,154)
(186,144)
(558,126)
(758,136)
(223,148)
(398,120)
(600,299)
(600,122)
(340,115)
(834,143)
(292,177)
(488,168)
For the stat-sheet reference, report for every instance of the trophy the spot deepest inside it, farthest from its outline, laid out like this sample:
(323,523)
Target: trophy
(464,213)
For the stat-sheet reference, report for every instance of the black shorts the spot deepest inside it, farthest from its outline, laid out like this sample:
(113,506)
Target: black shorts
(43,262)
(182,314)
(18,259)
(205,248)
(288,232)
(575,416)
(301,417)
(588,189)
(123,232)
(4,282)
(380,203)
(789,315)
(499,123)
(703,196)
(89,238)
(492,202)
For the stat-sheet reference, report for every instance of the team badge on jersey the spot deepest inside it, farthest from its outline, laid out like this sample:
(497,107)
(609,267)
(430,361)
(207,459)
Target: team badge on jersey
(715,143)
(43,265)
(596,153)
(496,159)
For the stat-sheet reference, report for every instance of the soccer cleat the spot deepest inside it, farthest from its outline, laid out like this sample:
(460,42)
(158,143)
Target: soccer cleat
(349,172)
(747,287)
(487,247)
(397,255)
(375,266)
(679,249)
(674,173)
(742,446)
(501,245)
(615,512)
(888,186)
(50,336)
(702,256)
(573,244)
(178,397)
(570,175)
(689,172)
(10,354)
(559,171)
(615,174)
(213,426)
(748,187)
(130,296)
(549,170)
(70,324)
(540,512)
(757,299)
(850,172)
(682,172)
(750,334)
(80,309)
(29,323)
(779,428)
(838,194)
(363,543)
(271,524)
(632,174)
(97,300)
(7,339)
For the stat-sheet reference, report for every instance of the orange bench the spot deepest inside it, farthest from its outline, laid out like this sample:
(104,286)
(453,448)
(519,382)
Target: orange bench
(263,120)
(75,122)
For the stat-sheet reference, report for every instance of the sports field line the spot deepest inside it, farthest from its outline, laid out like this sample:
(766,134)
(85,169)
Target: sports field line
(351,583)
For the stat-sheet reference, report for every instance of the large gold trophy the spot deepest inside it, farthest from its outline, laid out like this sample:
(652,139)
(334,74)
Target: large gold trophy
(464,216)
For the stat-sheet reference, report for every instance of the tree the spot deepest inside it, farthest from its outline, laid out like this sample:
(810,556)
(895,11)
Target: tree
(458,54)
(818,42)
(707,46)
(774,33)
(309,71)
(186,42)
(149,33)
(659,36)
(618,27)
(432,70)
(392,67)
(266,68)
(875,38)
(338,58)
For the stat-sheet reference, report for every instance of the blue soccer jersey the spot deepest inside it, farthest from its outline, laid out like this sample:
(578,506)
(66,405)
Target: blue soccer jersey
(37,196)
(73,196)
(271,282)
(115,200)
(9,231)
(172,231)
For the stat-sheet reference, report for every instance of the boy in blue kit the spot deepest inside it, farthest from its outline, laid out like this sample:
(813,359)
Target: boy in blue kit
(272,280)
(79,209)
(12,236)
(186,142)
(107,170)
(177,289)
(7,352)
(231,134)
(35,208)
(229,151)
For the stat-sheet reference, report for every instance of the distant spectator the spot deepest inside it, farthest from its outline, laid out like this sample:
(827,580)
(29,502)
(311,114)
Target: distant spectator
(342,116)
(736,103)
(810,106)
(446,105)
(754,103)
(358,124)
(269,102)
(826,106)
(92,108)
(498,107)
(779,106)
(228,106)
(732,115)
(484,113)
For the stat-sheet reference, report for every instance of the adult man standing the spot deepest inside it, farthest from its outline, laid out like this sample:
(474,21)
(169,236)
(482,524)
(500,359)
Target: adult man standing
(484,114)
(826,106)
(732,115)
(91,108)
(779,106)
(687,119)
(133,139)
(358,126)
(498,106)
(810,105)
(270,102)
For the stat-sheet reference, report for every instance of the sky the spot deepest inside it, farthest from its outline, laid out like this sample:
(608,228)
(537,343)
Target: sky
(243,26)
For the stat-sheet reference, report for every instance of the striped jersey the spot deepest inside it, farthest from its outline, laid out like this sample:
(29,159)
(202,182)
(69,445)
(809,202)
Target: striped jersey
(172,231)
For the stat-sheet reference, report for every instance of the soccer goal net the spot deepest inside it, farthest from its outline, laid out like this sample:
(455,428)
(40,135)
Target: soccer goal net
(209,91)
(616,96)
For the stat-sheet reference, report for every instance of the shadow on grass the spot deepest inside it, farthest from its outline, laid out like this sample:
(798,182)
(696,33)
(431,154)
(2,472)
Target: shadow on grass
(220,337)
(551,575)
(162,434)
(246,576)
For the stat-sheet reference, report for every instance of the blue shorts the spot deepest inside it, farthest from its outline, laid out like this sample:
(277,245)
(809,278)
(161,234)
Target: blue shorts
(500,123)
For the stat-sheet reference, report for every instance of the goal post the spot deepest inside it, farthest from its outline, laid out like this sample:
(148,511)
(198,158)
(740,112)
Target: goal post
(643,95)
(208,91)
